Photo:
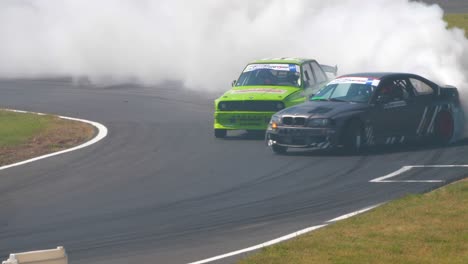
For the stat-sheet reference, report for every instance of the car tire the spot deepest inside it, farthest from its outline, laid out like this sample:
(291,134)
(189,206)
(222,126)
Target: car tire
(444,128)
(279,149)
(352,137)
(220,133)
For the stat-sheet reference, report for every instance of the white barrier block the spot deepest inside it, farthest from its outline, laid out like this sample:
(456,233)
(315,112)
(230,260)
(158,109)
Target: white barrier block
(50,256)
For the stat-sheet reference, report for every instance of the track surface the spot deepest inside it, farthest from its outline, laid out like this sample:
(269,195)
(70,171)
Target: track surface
(450,6)
(161,189)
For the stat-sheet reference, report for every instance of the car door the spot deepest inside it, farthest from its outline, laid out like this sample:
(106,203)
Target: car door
(413,112)
(391,116)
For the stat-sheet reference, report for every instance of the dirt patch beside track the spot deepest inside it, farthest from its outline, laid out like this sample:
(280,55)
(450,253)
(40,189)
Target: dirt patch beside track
(55,134)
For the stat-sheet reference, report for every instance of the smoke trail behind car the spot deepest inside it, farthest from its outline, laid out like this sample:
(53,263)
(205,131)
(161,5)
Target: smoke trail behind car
(205,43)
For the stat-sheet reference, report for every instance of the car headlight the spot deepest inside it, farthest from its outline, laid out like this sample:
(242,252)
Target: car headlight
(222,106)
(279,106)
(319,122)
(275,119)
(274,122)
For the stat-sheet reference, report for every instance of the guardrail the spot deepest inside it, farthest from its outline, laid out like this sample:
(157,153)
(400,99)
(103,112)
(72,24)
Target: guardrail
(50,256)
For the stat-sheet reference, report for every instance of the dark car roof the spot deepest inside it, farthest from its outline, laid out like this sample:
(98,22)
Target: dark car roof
(377,75)
(383,75)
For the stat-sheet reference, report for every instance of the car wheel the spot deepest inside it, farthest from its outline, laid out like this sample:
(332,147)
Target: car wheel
(279,149)
(220,133)
(444,127)
(352,137)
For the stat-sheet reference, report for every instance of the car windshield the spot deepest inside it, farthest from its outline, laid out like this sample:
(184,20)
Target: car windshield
(354,89)
(271,75)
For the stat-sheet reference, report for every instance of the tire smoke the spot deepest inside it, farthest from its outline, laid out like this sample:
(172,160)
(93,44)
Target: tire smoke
(206,43)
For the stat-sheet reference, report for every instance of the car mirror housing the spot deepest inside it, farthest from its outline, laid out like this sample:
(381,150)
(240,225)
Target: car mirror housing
(233,83)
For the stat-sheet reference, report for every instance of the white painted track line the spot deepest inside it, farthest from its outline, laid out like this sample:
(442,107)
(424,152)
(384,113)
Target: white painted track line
(259,246)
(393,174)
(384,179)
(102,133)
(346,216)
(283,238)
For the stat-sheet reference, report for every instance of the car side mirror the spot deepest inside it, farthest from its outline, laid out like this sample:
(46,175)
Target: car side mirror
(233,83)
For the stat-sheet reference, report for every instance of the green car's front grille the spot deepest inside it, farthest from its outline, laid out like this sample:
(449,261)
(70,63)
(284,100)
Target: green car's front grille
(261,106)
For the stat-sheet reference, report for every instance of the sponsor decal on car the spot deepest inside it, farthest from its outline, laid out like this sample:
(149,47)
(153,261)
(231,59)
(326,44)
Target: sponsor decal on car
(375,82)
(259,90)
(276,67)
(358,80)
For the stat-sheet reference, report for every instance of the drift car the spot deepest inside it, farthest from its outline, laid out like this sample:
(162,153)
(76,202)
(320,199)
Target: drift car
(369,109)
(264,88)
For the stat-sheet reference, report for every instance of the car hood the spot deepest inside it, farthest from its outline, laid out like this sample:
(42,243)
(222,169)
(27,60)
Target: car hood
(318,109)
(259,92)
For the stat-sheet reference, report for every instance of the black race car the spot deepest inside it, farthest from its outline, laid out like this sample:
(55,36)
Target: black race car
(368,109)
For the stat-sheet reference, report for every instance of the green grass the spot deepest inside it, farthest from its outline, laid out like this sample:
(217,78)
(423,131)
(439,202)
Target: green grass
(457,20)
(428,228)
(24,136)
(17,128)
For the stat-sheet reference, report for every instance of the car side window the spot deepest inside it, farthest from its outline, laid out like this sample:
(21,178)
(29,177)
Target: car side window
(421,87)
(309,80)
(319,75)
(394,90)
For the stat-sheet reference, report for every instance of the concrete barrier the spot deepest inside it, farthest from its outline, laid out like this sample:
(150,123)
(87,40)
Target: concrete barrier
(50,256)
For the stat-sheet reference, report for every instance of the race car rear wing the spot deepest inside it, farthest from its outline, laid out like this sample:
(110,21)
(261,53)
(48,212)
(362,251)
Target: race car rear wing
(330,71)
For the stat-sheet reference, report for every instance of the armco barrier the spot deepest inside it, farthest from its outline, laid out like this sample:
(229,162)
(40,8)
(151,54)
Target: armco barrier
(51,256)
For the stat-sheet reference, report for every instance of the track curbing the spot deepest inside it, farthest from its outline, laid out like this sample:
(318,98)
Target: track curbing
(102,133)
(285,237)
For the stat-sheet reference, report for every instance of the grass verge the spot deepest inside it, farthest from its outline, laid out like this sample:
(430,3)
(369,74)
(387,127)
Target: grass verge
(457,20)
(24,135)
(427,228)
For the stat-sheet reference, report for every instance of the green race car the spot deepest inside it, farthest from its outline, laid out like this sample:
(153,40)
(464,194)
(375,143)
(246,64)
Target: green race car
(265,87)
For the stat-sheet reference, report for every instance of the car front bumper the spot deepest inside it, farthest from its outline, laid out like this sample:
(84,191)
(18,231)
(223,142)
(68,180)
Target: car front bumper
(302,137)
(242,120)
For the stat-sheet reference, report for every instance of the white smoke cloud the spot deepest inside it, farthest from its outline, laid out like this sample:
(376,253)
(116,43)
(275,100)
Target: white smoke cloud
(206,43)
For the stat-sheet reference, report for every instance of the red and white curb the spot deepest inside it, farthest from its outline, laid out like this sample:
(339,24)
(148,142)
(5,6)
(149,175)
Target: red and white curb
(102,133)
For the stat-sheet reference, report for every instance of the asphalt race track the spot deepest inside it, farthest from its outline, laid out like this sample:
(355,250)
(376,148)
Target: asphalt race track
(161,189)
(450,6)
